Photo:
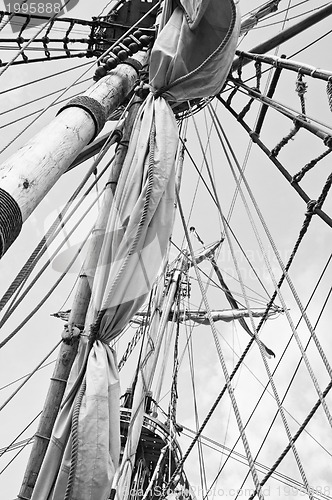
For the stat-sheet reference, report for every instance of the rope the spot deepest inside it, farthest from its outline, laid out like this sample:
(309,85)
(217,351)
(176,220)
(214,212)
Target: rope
(74,446)
(52,231)
(301,89)
(29,376)
(261,348)
(95,327)
(222,360)
(296,436)
(276,150)
(5,449)
(294,374)
(258,67)
(311,208)
(26,103)
(31,314)
(43,78)
(329,93)
(16,303)
(279,166)
(299,176)
(214,198)
(324,194)
(21,51)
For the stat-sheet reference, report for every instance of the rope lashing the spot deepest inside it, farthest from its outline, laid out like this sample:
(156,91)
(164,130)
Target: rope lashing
(231,95)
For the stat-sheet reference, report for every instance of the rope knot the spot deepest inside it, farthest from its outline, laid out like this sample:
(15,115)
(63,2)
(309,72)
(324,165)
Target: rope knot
(93,336)
(328,141)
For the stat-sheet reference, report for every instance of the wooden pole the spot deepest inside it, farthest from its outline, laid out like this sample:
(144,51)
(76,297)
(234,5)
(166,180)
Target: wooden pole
(28,175)
(286,35)
(76,320)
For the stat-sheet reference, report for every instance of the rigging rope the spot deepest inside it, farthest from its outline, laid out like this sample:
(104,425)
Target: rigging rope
(309,214)
(274,160)
(294,374)
(222,360)
(44,78)
(54,230)
(21,51)
(295,437)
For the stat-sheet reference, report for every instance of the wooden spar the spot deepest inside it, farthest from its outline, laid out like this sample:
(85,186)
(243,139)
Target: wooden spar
(76,320)
(281,62)
(28,175)
(286,35)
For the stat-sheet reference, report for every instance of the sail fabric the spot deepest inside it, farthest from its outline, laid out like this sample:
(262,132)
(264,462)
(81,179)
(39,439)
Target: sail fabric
(136,239)
(194,50)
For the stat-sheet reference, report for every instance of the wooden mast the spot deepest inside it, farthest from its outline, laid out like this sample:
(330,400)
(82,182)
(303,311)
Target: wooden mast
(76,320)
(28,175)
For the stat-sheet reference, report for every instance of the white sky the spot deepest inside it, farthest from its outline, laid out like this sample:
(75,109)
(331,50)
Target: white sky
(284,213)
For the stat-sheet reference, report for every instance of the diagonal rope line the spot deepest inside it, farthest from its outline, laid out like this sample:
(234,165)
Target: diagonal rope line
(285,269)
(263,352)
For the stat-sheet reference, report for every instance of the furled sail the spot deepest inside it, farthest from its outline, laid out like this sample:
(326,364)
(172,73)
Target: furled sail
(83,453)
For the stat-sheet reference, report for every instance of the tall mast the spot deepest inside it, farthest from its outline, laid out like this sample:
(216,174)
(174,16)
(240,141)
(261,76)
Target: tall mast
(28,175)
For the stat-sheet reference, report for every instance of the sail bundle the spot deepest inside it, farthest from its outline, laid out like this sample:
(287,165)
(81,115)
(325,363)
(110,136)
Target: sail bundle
(83,454)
